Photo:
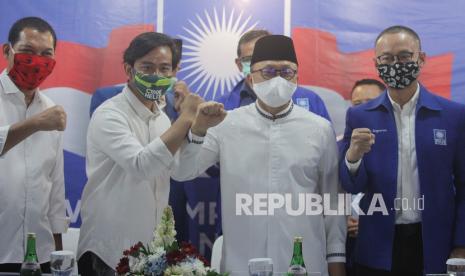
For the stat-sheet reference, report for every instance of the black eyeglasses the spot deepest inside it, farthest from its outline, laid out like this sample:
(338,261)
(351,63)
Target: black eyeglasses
(245,59)
(270,72)
(390,59)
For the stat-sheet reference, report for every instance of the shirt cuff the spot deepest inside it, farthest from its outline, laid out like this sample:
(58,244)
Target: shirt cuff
(59,225)
(158,149)
(336,253)
(353,167)
(194,139)
(336,258)
(3,135)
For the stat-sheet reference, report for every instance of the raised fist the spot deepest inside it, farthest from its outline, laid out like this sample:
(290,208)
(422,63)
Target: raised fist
(360,143)
(53,118)
(209,114)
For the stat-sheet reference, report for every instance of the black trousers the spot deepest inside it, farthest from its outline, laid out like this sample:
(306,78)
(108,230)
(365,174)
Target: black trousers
(13,267)
(407,254)
(91,265)
(350,249)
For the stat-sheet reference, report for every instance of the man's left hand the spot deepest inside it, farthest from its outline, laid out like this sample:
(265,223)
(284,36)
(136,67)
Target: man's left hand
(209,114)
(352,227)
(337,269)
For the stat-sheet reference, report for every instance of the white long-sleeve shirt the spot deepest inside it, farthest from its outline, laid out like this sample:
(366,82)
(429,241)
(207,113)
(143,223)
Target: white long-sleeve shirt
(128,169)
(408,182)
(295,154)
(3,134)
(32,192)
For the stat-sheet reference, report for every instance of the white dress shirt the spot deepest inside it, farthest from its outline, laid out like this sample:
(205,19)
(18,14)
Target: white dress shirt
(408,182)
(128,169)
(3,134)
(32,192)
(295,154)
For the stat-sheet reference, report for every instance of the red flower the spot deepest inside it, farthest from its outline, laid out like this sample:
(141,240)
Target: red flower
(175,256)
(203,260)
(123,266)
(191,251)
(134,250)
(188,249)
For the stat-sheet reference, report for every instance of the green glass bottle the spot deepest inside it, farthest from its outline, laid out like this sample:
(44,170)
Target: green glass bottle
(297,266)
(31,266)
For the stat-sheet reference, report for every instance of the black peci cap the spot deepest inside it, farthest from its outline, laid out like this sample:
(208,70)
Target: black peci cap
(274,47)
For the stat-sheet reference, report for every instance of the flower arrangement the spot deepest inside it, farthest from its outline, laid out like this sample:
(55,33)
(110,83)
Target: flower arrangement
(164,256)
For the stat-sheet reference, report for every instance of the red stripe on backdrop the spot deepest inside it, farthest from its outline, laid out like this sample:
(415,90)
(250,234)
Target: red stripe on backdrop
(322,64)
(86,68)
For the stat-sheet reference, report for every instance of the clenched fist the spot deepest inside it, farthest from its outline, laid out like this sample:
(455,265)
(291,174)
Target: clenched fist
(189,105)
(181,90)
(360,143)
(53,118)
(209,114)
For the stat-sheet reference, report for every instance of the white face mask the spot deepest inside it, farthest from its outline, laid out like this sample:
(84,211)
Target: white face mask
(275,92)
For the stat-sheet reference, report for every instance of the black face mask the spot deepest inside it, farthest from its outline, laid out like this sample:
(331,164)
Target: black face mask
(399,75)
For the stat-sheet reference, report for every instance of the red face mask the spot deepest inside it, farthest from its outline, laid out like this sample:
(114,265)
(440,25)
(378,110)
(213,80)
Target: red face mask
(29,71)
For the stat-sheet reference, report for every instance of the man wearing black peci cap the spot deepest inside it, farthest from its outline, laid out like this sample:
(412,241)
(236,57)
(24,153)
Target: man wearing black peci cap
(271,153)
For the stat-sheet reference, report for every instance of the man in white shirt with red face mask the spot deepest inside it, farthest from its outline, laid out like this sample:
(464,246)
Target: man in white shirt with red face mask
(32,192)
(270,149)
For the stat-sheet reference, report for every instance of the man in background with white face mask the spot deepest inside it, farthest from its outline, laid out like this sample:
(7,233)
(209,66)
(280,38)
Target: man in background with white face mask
(270,147)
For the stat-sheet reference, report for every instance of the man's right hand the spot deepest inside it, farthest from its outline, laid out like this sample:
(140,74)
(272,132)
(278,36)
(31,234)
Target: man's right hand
(188,106)
(53,118)
(360,143)
(180,90)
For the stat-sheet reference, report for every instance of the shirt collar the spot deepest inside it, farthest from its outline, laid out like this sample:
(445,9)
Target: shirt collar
(162,102)
(284,113)
(408,106)
(141,110)
(8,85)
(427,100)
(421,98)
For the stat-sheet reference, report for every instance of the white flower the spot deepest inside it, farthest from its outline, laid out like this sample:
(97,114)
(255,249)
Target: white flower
(137,265)
(192,267)
(165,234)
(199,267)
(157,253)
(173,270)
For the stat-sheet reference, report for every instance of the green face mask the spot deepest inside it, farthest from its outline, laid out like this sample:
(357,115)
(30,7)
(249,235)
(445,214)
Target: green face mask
(152,87)
(245,68)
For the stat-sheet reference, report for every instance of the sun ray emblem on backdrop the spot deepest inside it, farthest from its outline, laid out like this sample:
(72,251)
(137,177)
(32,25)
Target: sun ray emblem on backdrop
(209,51)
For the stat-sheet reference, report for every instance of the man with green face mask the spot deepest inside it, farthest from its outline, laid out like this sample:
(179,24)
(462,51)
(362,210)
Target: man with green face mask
(130,152)
(105,93)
